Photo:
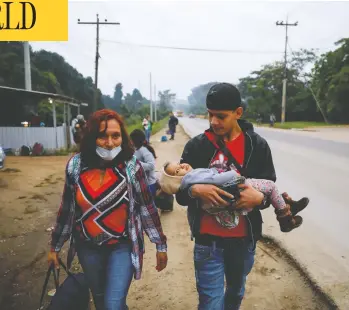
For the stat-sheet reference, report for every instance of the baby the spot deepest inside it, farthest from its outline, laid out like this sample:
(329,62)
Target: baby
(178,176)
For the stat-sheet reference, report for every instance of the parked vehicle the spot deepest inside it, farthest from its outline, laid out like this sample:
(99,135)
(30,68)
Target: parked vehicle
(191,115)
(178,113)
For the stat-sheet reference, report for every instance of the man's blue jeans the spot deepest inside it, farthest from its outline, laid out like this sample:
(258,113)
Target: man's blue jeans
(210,271)
(108,272)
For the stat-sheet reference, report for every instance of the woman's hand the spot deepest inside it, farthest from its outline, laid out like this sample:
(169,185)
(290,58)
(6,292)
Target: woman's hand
(161,261)
(52,257)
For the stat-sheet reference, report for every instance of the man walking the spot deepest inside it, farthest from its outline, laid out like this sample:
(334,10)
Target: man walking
(172,123)
(220,252)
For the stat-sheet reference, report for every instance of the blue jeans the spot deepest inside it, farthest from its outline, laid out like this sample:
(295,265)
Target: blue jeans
(210,271)
(108,272)
(147,135)
(152,188)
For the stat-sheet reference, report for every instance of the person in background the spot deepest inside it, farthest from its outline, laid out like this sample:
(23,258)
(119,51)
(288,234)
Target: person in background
(149,129)
(106,206)
(78,125)
(146,155)
(172,123)
(145,124)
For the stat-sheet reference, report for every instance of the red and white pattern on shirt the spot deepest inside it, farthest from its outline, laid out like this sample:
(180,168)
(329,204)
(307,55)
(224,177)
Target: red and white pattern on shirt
(104,207)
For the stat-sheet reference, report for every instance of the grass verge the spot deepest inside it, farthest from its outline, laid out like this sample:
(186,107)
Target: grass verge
(301,125)
(157,126)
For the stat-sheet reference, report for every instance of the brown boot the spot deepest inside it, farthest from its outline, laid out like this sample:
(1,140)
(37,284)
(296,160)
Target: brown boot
(286,220)
(296,206)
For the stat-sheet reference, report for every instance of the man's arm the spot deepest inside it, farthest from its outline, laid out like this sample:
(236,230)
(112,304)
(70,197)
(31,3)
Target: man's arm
(266,169)
(182,196)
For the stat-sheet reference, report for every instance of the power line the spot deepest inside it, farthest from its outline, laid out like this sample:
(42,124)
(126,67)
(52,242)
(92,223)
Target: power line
(97,23)
(192,48)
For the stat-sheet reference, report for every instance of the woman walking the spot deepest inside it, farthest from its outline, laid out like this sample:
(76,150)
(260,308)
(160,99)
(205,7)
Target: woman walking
(105,208)
(146,155)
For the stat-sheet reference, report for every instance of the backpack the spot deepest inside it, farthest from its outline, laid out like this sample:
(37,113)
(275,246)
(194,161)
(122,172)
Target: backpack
(72,294)
(163,139)
(25,150)
(164,201)
(38,149)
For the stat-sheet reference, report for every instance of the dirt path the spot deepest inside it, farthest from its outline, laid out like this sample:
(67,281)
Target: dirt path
(28,206)
(273,283)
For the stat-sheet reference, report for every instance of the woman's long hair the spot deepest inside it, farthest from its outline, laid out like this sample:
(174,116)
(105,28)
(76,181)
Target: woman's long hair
(138,139)
(91,132)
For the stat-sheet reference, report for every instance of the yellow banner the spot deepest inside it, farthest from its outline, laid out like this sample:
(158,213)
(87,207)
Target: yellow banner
(34,20)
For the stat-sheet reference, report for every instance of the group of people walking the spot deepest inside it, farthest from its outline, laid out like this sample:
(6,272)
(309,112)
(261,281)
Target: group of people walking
(225,176)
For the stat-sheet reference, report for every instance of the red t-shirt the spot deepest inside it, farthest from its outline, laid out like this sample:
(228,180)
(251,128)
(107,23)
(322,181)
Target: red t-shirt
(209,225)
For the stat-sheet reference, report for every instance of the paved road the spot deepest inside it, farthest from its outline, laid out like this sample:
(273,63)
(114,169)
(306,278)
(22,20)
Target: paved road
(307,165)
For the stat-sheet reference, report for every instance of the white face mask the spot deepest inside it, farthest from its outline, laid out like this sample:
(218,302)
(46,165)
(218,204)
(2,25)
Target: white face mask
(108,154)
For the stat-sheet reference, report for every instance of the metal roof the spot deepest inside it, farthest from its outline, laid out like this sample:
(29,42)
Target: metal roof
(5,90)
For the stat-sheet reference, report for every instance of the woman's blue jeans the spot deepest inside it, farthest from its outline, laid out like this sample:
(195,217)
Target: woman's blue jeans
(109,273)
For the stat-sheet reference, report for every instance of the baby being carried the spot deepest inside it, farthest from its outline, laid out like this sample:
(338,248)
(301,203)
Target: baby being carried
(179,176)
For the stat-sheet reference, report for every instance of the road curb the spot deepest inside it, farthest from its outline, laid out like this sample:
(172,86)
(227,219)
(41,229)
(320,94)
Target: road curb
(301,268)
(303,271)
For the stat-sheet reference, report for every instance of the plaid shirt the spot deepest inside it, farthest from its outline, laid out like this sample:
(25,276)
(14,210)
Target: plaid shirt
(143,214)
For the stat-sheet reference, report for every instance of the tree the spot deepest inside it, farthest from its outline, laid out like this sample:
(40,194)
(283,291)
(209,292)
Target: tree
(108,102)
(137,98)
(133,101)
(197,98)
(262,89)
(330,82)
(118,94)
(51,73)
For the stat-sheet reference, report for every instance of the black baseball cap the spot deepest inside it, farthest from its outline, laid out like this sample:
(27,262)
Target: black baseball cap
(223,96)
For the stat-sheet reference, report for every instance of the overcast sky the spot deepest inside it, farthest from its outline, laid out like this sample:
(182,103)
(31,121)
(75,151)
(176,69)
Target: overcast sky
(229,25)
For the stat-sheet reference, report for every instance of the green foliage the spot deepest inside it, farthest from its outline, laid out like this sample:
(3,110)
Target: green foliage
(49,73)
(331,82)
(261,91)
(297,125)
(318,95)
(197,98)
(134,107)
(118,94)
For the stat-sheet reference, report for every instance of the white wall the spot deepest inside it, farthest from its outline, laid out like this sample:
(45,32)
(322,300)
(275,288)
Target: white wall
(15,137)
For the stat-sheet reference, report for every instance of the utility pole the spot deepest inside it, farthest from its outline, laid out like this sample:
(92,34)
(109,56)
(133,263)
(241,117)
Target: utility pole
(97,23)
(155,104)
(27,70)
(284,86)
(151,101)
